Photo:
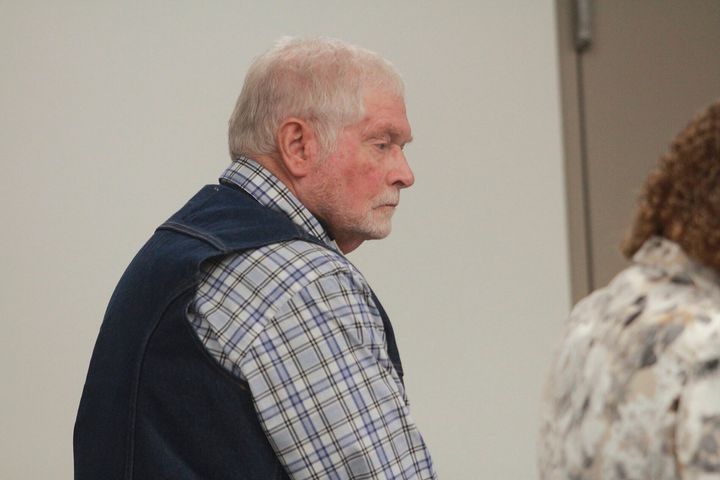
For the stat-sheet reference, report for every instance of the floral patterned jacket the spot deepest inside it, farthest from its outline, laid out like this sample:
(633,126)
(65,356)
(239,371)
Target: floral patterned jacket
(634,390)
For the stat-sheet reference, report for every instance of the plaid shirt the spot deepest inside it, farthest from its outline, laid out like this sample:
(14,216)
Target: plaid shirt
(296,321)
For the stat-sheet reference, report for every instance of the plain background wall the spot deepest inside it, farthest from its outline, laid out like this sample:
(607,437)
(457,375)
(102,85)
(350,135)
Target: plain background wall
(113,113)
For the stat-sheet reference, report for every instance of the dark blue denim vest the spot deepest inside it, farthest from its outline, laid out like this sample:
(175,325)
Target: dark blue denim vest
(155,404)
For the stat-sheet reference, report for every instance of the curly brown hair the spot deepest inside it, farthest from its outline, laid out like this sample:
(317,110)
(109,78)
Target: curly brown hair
(680,199)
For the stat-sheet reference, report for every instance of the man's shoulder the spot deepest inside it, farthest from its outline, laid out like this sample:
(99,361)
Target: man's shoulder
(278,271)
(305,257)
(244,291)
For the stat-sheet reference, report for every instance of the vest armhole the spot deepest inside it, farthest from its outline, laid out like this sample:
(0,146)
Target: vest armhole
(240,383)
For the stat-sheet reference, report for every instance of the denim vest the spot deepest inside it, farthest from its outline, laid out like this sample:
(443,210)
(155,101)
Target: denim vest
(155,404)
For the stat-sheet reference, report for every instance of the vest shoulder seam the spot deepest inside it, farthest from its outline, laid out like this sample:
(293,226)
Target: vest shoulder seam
(184,229)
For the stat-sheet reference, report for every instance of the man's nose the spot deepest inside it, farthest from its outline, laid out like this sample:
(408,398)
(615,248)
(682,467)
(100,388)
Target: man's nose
(402,174)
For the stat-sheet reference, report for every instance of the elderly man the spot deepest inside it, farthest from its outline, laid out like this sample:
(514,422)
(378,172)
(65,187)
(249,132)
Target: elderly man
(240,342)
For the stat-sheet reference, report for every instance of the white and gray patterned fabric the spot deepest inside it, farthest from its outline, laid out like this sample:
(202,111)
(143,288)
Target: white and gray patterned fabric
(634,391)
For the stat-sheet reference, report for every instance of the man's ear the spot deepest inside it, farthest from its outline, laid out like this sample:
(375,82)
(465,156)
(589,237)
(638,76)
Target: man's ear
(297,145)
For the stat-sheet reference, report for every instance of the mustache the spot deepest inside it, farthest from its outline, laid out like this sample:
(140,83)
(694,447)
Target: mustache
(389,199)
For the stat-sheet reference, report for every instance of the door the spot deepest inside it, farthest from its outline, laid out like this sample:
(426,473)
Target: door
(633,74)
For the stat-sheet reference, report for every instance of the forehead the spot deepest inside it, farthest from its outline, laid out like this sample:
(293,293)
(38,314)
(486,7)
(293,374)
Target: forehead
(385,114)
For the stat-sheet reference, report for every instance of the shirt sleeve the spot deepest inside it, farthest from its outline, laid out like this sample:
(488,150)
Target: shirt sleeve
(698,428)
(326,393)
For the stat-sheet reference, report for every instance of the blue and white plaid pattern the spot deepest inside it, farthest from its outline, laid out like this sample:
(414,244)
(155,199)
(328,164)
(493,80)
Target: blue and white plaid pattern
(297,322)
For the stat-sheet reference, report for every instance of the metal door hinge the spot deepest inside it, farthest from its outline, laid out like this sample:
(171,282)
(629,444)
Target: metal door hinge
(583,25)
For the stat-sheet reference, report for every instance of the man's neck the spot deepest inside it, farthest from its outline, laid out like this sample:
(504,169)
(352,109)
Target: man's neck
(276,167)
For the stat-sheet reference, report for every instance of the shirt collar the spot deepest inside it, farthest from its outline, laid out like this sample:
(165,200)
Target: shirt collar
(667,255)
(270,192)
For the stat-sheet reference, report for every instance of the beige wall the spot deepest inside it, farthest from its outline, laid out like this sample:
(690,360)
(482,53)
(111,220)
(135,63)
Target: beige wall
(114,112)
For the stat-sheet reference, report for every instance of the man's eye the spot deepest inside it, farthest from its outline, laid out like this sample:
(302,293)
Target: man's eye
(382,146)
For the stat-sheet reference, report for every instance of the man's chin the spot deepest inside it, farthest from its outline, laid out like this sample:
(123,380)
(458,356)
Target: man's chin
(380,233)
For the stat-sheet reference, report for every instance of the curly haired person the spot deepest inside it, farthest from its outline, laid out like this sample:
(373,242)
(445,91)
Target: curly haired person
(634,390)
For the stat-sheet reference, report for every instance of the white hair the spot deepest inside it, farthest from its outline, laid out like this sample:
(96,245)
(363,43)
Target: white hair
(320,80)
